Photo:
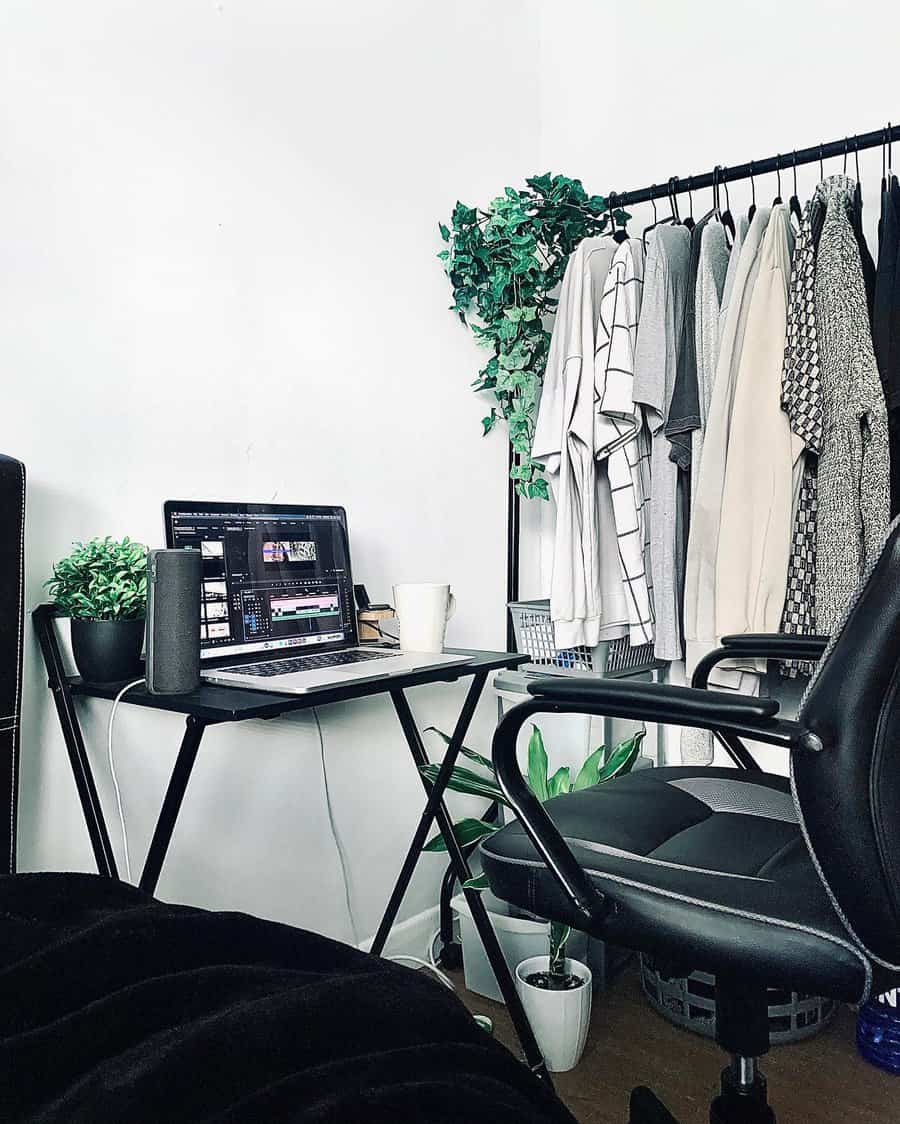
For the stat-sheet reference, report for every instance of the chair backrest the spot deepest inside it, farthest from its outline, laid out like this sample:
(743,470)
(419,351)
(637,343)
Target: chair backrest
(848,793)
(12,579)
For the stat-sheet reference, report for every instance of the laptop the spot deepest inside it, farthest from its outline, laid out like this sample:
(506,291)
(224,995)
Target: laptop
(277,607)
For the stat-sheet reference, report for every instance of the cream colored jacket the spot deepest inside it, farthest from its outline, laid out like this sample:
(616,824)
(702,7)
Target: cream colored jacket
(763,466)
(706,513)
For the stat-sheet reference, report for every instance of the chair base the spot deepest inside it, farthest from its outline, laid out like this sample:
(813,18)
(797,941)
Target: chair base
(736,1104)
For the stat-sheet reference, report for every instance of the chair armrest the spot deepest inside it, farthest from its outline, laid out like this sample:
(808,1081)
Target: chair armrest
(779,645)
(682,706)
(759,645)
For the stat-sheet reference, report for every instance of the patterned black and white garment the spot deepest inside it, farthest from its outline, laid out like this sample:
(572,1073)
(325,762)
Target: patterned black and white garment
(801,400)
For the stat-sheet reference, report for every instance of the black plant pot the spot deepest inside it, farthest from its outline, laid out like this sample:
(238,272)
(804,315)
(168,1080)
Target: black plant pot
(107,651)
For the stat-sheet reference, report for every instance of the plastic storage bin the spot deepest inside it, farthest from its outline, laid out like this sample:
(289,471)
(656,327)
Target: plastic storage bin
(689,1001)
(534,636)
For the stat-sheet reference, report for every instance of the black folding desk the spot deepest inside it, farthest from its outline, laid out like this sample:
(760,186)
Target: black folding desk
(211,705)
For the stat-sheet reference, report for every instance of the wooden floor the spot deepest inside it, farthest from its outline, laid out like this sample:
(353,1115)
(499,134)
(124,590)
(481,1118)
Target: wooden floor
(820,1081)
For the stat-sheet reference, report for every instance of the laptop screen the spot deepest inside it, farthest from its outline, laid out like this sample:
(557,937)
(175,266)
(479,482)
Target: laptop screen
(275,577)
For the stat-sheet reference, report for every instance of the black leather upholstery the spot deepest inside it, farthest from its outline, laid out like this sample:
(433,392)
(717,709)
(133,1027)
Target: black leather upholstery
(729,871)
(849,793)
(705,865)
(631,697)
(12,520)
(776,645)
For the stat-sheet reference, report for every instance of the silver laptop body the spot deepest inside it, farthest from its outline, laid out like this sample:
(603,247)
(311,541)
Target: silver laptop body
(277,605)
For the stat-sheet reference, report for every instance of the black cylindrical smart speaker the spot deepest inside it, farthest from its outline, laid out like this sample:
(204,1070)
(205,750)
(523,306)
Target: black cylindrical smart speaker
(173,621)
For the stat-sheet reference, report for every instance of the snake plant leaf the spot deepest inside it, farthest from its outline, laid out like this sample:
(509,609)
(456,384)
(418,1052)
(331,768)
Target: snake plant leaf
(537,765)
(464,750)
(559,782)
(467,831)
(589,773)
(464,780)
(478,883)
(622,758)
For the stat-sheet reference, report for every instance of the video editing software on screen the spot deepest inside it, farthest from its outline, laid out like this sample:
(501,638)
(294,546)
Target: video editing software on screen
(269,581)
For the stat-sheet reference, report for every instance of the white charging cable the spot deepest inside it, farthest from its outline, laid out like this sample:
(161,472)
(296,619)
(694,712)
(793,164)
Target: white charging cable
(335,834)
(420,963)
(112,770)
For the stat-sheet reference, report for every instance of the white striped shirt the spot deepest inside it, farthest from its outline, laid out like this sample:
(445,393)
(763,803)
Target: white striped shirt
(620,437)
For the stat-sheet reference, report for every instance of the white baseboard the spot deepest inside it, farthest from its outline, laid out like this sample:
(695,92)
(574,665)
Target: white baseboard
(410,937)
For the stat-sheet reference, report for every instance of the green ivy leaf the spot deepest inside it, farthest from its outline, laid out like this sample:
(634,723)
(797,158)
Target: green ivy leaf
(489,422)
(503,264)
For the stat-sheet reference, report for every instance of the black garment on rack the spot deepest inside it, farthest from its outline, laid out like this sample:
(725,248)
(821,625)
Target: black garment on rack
(865,256)
(886,324)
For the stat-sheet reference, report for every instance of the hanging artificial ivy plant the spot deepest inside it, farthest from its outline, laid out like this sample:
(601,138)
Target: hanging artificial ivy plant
(504,263)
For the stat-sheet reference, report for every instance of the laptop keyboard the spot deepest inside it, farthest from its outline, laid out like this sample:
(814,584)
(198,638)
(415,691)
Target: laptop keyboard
(307,663)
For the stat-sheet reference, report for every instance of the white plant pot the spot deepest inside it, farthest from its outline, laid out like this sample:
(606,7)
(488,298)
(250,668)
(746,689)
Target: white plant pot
(519,937)
(559,1019)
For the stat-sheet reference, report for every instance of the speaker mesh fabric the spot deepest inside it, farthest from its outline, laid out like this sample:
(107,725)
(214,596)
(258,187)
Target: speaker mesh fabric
(173,621)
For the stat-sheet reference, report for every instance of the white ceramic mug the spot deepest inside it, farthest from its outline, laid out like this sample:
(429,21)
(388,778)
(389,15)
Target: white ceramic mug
(423,609)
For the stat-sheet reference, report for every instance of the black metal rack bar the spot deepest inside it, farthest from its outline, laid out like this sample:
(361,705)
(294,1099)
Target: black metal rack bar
(782,161)
(673,185)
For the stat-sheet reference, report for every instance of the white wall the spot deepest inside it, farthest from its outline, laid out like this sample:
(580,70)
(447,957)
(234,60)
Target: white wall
(217,280)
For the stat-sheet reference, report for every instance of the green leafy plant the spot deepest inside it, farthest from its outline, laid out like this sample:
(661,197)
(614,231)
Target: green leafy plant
(504,264)
(601,765)
(103,580)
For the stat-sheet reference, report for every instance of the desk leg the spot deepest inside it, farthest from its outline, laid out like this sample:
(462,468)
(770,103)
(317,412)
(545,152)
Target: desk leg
(435,809)
(165,825)
(71,729)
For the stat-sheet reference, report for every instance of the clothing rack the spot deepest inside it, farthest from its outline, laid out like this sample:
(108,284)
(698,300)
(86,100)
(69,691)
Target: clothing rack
(673,186)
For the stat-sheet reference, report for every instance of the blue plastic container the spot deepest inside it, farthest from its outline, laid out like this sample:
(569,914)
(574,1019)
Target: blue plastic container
(878,1031)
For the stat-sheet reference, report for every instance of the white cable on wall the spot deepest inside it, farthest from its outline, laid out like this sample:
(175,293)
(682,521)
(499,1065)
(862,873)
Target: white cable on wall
(112,771)
(335,834)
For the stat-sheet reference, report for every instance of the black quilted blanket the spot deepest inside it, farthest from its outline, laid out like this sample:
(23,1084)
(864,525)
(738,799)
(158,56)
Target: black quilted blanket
(117,1007)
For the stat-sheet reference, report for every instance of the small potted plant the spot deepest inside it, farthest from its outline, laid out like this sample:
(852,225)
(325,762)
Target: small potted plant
(102,586)
(556,994)
(555,989)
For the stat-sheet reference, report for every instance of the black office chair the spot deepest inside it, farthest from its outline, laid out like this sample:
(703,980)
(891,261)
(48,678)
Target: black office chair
(757,879)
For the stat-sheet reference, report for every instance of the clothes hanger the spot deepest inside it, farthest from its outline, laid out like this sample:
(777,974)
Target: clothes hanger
(857,194)
(619,234)
(821,166)
(794,203)
(752,209)
(778,198)
(885,133)
(726,216)
(672,218)
(689,221)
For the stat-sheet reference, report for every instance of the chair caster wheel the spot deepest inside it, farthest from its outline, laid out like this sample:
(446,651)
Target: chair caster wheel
(647,1108)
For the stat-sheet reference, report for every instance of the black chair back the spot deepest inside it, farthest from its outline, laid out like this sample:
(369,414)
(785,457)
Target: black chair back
(12,585)
(848,791)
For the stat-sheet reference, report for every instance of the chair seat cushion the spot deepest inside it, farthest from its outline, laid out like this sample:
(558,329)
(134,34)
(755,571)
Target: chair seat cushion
(707,868)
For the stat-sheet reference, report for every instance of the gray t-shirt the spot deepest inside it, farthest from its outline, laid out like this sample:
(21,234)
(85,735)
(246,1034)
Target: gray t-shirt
(655,366)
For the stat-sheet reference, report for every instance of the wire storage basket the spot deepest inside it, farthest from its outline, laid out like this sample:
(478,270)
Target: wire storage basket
(534,635)
(690,1001)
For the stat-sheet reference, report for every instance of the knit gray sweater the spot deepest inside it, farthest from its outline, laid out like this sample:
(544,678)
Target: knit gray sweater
(853,482)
